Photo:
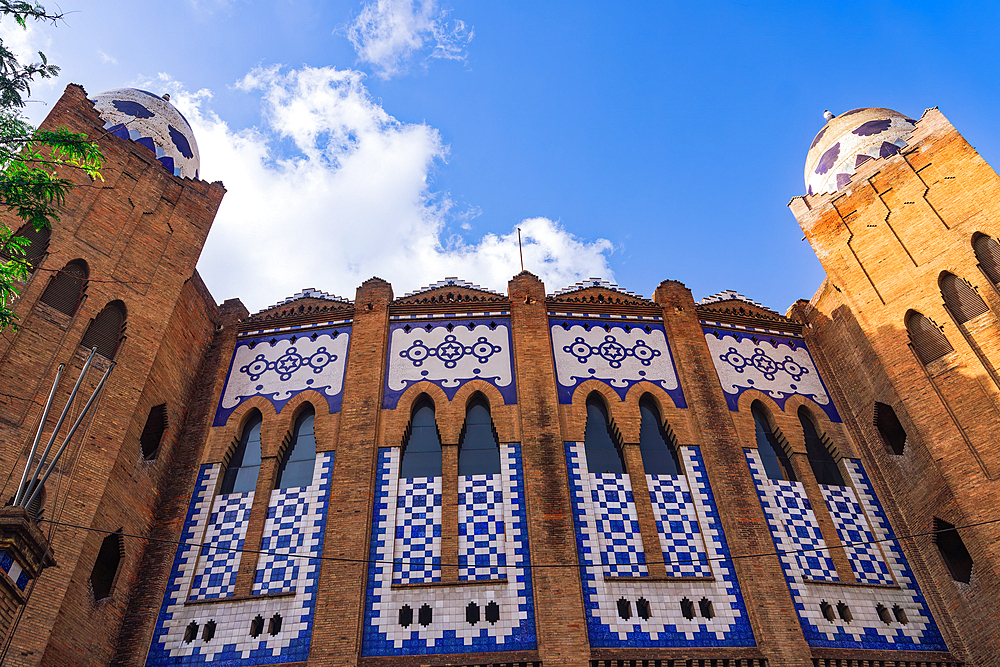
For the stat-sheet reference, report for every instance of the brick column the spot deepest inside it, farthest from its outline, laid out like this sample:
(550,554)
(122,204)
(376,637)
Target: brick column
(26,549)
(449,512)
(644,511)
(559,615)
(255,526)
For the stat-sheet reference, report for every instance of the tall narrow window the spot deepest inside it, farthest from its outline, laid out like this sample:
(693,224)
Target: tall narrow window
(479,451)
(962,300)
(659,457)
(65,289)
(603,452)
(422,448)
(105,330)
(953,550)
(244,465)
(102,577)
(300,458)
(889,428)
(772,455)
(38,243)
(988,253)
(152,432)
(824,467)
(927,339)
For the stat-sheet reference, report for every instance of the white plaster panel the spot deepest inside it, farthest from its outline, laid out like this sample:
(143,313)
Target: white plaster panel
(779,371)
(617,356)
(448,358)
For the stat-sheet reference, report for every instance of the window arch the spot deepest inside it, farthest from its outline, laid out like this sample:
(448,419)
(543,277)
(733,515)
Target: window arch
(928,341)
(66,288)
(892,432)
(106,330)
(299,460)
(604,454)
(772,455)
(38,243)
(988,253)
(823,465)
(963,302)
(422,443)
(659,456)
(478,447)
(244,464)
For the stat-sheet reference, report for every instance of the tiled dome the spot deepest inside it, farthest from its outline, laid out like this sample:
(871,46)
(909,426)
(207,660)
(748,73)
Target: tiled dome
(850,139)
(152,121)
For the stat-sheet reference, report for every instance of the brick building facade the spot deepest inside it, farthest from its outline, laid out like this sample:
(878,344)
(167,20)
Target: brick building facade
(464,477)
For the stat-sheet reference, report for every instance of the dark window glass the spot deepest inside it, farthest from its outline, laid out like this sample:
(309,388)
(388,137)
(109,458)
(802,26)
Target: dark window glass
(953,550)
(102,578)
(422,449)
(479,451)
(105,330)
(152,432)
(300,457)
(658,454)
(244,466)
(927,339)
(961,299)
(65,289)
(824,467)
(772,455)
(603,453)
(988,254)
(38,243)
(889,428)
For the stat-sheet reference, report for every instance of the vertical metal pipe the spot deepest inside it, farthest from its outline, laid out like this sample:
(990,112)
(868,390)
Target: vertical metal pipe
(38,436)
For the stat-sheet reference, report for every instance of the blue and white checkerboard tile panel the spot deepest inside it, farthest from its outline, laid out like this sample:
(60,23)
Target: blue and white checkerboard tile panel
(449,632)
(859,542)
(219,561)
(13,570)
(801,530)
(481,552)
(866,630)
(617,524)
(666,626)
(418,531)
(677,524)
(232,645)
(293,516)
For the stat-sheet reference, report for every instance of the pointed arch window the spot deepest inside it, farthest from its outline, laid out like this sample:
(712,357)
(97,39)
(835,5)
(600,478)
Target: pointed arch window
(244,465)
(479,449)
(604,454)
(422,446)
(823,465)
(988,253)
(963,302)
(892,432)
(152,432)
(928,341)
(66,288)
(38,243)
(659,456)
(772,454)
(106,330)
(102,577)
(956,556)
(300,457)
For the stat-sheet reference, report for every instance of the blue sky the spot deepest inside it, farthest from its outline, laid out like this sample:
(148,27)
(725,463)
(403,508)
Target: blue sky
(409,138)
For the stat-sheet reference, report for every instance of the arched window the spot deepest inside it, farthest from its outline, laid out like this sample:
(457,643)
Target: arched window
(988,253)
(927,339)
(772,455)
(65,289)
(824,467)
(105,330)
(244,465)
(152,432)
(299,460)
(962,300)
(603,452)
(479,451)
(892,432)
(953,550)
(422,447)
(38,243)
(102,577)
(659,457)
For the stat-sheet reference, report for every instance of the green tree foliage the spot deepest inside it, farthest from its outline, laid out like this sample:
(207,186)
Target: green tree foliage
(30,186)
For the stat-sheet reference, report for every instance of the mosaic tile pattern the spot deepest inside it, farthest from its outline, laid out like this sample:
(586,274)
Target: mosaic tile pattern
(617,353)
(232,645)
(789,506)
(865,555)
(220,557)
(617,525)
(866,630)
(677,524)
(481,550)
(448,630)
(666,625)
(417,549)
(13,570)
(779,366)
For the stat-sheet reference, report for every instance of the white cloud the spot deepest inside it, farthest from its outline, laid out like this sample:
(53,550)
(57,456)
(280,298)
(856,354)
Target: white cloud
(106,59)
(388,33)
(352,202)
